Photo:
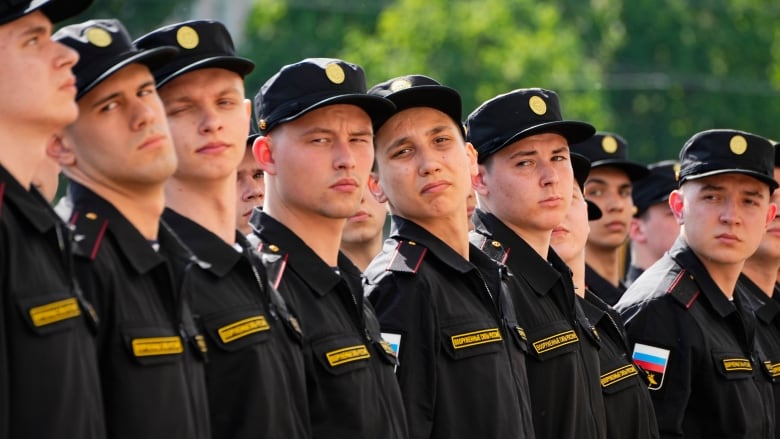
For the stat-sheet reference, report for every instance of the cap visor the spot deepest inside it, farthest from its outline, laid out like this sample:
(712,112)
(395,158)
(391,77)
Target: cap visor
(758,176)
(635,171)
(241,66)
(377,108)
(574,132)
(152,58)
(438,97)
(594,212)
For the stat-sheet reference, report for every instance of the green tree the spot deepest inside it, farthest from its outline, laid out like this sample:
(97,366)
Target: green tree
(138,16)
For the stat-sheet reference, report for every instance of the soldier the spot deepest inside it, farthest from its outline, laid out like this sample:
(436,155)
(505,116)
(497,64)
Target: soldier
(653,228)
(49,386)
(688,324)
(316,150)
(626,398)
(440,300)
(117,156)
(253,341)
(759,280)
(525,187)
(609,186)
(362,238)
(250,184)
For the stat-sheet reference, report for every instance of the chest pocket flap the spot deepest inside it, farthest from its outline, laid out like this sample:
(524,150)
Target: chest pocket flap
(236,329)
(342,353)
(551,340)
(46,314)
(471,339)
(732,365)
(151,345)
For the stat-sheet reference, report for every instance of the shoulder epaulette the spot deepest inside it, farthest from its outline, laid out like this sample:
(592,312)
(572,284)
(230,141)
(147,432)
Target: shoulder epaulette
(684,289)
(494,249)
(274,260)
(408,257)
(88,233)
(2,190)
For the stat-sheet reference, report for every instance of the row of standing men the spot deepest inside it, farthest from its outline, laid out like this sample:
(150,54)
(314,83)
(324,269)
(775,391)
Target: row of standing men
(155,317)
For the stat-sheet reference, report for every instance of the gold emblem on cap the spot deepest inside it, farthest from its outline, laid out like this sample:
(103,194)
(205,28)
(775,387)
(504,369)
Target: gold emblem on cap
(495,244)
(400,84)
(537,105)
(609,144)
(738,145)
(335,73)
(262,124)
(98,37)
(187,37)
(676,168)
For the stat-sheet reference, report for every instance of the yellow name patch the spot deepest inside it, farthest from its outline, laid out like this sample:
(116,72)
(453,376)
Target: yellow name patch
(556,341)
(347,355)
(55,312)
(618,375)
(733,364)
(475,338)
(242,328)
(153,346)
(772,368)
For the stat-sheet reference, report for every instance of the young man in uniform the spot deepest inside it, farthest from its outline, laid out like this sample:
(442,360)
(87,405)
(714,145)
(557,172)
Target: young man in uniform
(49,387)
(250,183)
(256,383)
(525,186)
(118,155)
(609,186)
(759,281)
(687,322)
(440,300)
(653,228)
(316,150)
(362,238)
(627,401)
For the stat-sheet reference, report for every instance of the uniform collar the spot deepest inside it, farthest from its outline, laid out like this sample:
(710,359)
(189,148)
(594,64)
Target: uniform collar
(319,277)
(687,259)
(601,287)
(131,243)
(404,229)
(522,260)
(207,246)
(30,203)
(765,309)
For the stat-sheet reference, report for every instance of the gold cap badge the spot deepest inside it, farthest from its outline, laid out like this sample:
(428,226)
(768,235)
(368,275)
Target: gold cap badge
(676,168)
(609,144)
(537,105)
(401,84)
(262,124)
(187,37)
(738,145)
(98,37)
(335,73)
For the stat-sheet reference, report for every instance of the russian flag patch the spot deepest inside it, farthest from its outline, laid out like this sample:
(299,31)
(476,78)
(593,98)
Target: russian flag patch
(653,360)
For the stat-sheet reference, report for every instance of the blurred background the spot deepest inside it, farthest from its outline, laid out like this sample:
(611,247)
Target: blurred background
(654,71)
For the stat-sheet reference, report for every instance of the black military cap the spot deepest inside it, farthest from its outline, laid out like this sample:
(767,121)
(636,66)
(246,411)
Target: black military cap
(314,83)
(56,10)
(609,149)
(104,48)
(253,133)
(420,91)
(656,186)
(521,113)
(724,151)
(201,43)
(581,166)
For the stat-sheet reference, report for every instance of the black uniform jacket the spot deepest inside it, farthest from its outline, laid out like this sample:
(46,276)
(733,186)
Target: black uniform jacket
(151,362)
(351,388)
(563,360)
(602,288)
(255,377)
(698,350)
(49,386)
(630,412)
(461,352)
(767,313)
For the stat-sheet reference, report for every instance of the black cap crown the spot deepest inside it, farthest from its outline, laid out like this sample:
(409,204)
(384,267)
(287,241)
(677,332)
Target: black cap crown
(104,48)
(609,149)
(412,91)
(656,186)
(56,10)
(201,43)
(311,84)
(725,151)
(521,113)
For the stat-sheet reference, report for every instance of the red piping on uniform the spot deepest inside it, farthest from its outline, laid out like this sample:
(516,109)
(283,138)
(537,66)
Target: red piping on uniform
(98,240)
(674,284)
(2,189)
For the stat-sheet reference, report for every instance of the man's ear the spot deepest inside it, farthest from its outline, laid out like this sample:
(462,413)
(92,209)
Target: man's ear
(636,232)
(375,188)
(676,204)
(263,153)
(771,213)
(60,149)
